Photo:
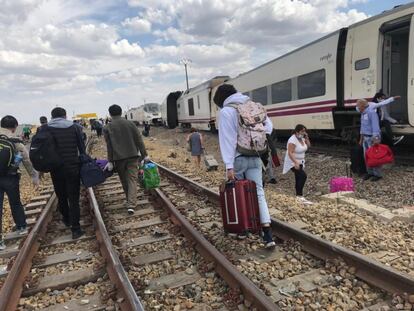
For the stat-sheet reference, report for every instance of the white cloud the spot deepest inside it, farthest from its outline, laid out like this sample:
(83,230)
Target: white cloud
(139,25)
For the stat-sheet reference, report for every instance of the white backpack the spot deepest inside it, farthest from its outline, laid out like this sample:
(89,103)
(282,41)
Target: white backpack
(251,135)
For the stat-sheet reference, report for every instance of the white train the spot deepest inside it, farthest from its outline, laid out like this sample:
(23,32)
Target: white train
(319,83)
(150,113)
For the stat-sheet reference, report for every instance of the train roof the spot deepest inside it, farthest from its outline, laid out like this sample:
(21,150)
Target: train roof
(394,10)
(204,84)
(385,13)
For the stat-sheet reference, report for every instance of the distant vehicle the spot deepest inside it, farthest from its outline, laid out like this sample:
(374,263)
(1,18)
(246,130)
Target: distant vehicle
(150,113)
(318,84)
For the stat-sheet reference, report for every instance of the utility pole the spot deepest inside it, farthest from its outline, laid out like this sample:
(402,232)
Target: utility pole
(186,62)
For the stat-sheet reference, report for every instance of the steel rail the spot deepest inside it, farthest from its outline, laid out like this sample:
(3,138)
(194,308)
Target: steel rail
(367,269)
(129,300)
(13,285)
(223,266)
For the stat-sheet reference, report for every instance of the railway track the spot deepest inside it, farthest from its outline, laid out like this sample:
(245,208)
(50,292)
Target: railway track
(329,264)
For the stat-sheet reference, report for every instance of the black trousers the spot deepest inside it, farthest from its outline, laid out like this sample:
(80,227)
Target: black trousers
(300,179)
(66,182)
(10,185)
(388,135)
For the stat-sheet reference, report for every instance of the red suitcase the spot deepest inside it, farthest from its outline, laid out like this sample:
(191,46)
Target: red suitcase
(240,207)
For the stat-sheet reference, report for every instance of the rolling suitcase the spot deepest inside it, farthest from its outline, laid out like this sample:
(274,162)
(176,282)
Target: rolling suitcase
(210,162)
(240,207)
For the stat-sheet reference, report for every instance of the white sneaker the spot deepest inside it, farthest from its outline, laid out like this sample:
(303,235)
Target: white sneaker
(22,231)
(397,139)
(304,201)
(2,245)
(131,211)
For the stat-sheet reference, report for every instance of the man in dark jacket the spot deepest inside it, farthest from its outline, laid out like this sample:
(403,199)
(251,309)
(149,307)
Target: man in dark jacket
(125,146)
(66,180)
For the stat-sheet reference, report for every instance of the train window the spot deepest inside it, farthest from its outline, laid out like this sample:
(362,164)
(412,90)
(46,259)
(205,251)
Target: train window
(198,101)
(312,84)
(362,64)
(260,95)
(131,116)
(191,107)
(282,91)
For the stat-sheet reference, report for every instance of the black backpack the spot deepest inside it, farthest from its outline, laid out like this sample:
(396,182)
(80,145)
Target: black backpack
(43,152)
(7,153)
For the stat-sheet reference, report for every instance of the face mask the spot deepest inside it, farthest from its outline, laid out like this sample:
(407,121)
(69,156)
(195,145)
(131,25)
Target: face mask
(300,136)
(380,100)
(357,109)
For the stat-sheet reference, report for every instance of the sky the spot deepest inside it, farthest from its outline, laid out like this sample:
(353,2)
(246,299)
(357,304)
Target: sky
(85,55)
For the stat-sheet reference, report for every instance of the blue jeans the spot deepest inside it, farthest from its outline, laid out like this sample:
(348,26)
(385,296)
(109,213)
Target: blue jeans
(251,168)
(10,185)
(366,143)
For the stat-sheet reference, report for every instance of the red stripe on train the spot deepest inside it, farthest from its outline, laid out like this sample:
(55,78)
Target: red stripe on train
(326,102)
(300,111)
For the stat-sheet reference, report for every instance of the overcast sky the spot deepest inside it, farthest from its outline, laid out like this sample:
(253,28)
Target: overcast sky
(85,55)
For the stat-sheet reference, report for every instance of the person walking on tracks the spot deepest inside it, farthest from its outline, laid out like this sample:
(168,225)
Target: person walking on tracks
(195,141)
(125,147)
(296,148)
(238,164)
(12,153)
(66,179)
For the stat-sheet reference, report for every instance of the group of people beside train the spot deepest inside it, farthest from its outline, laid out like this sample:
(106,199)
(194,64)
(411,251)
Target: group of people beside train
(124,145)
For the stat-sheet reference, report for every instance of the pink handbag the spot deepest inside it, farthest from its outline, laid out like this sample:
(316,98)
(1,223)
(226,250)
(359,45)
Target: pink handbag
(342,183)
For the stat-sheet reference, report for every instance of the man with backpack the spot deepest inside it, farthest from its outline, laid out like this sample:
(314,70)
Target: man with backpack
(241,148)
(12,153)
(63,138)
(125,146)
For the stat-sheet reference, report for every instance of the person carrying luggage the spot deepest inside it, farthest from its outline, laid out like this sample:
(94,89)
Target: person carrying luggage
(67,137)
(296,148)
(241,161)
(125,148)
(196,144)
(12,153)
(270,161)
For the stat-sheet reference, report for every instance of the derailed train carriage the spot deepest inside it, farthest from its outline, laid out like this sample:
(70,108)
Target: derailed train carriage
(319,83)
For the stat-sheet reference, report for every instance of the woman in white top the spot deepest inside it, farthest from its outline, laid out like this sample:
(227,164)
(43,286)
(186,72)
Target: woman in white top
(297,146)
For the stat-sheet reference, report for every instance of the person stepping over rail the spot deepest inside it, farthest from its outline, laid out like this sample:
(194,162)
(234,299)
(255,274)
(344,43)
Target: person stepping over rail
(296,148)
(12,153)
(125,148)
(238,165)
(66,179)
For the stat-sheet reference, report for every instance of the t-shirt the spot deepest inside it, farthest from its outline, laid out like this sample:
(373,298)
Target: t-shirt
(300,151)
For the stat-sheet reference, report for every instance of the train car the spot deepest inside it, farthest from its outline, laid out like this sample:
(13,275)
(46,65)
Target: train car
(149,112)
(319,83)
(169,113)
(194,107)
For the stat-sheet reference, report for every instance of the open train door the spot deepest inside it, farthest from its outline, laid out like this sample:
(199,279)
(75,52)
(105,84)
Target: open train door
(410,88)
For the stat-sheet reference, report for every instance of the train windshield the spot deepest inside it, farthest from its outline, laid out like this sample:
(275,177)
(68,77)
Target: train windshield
(151,108)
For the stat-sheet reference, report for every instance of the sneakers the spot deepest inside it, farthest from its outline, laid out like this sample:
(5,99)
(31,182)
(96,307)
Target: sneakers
(22,231)
(2,245)
(366,177)
(304,201)
(397,139)
(77,234)
(131,211)
(267,238)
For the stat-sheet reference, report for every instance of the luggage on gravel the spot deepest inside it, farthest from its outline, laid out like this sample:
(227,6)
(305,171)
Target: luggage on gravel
(358,160)
(149,176)
(378,155)
(43,153)
(251,135)
(210,162)
(342,183)
(240,207)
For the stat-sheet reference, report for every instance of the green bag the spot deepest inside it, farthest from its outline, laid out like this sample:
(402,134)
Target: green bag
(151,178)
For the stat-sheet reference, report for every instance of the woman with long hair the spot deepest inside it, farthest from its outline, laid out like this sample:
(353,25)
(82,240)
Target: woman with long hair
(297,146)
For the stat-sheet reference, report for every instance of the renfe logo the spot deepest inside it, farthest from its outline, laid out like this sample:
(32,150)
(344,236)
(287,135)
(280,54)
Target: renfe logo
(327,57)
